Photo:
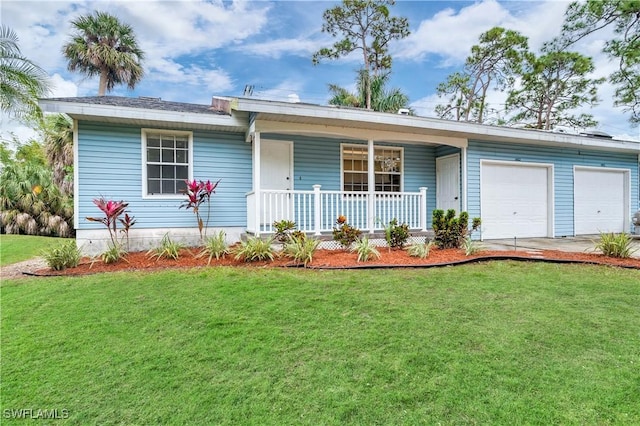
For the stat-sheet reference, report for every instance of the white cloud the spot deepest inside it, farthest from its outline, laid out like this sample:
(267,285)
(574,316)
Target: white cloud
(63,88)
(451,34)
(276,48)
(287,91)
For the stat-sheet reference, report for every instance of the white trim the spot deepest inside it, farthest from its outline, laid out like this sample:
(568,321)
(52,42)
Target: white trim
(627,192)
(143,139)
(321,116)
(550,188)
(76,177)
(464,165)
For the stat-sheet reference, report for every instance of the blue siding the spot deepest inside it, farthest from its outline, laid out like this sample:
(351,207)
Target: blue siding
(216,156)
(563,160)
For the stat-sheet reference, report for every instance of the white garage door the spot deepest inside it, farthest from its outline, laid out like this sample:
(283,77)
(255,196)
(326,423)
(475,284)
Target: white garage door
(599,200)
(514,201)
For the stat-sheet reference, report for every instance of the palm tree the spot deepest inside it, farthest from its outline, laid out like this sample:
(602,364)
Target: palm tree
(21,81)
(106,47)
(382,100)
(57,133)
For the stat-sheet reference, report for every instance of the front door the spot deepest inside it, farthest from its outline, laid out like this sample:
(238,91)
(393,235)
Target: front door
(448,182)
(276,173)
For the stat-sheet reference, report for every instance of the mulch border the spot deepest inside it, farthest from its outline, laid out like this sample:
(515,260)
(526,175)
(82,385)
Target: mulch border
(476,259)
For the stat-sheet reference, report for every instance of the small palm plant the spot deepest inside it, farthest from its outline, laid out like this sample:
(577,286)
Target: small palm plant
(365,249)
(215,246)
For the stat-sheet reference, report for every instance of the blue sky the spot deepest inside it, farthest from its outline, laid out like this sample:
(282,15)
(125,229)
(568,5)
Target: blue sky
(197,49)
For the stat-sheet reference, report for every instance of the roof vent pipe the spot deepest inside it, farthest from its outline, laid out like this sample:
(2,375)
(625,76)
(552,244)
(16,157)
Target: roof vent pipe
(404,111)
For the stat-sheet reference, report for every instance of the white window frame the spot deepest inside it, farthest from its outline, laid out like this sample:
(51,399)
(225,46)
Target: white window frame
(144,133)
(366,172)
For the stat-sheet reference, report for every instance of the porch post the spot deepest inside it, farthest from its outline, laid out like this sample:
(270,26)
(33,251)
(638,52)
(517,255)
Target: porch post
(317,212)
(372,186)
(423,208)
(256,180)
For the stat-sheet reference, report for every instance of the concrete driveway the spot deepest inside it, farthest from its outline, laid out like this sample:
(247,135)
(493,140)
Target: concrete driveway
(581,244)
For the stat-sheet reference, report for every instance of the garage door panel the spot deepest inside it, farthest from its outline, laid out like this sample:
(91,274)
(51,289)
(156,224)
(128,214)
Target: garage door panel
(599,201)
(514,201)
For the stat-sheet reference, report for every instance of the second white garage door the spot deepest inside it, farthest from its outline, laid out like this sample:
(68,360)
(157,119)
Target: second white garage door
(600,200)
(515,200)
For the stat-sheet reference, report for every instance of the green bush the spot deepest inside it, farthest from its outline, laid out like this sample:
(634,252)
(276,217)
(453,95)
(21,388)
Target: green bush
(65,255)
(168,249)
(365,250)
(396,235)
(470,247)
(450,231)
(301,249)
(254,249)
(615,245)
(113,253)
(284,229)
(344,233)
(215,246)
(420,250)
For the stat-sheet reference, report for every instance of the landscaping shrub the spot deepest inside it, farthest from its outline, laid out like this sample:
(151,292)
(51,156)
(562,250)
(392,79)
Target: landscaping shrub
(365,250)
(215,246)
(450,231)
(284,229)
(420,250)
(168,249)
(615,245)
(396,235)
(344,233)
(301,249)
(197,193)
(65,255)
(254,249)
(112,211)
(469,246)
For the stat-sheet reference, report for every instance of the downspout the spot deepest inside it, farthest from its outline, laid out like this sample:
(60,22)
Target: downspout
(256,180)
(76,175)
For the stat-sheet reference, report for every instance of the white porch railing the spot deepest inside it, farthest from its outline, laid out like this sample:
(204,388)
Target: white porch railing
(316,211)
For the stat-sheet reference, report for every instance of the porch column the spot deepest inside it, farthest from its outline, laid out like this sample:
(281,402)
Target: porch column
(317,211)
(423,208)
(371,219)
(256,179)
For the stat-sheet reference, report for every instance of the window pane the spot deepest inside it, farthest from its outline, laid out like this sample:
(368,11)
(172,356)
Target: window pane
(168,172)
(181,186)
(153,155)
(168,141)
(153,186)
(153,172)
(153,140)
(167,156)
(181,156)
(182,143)
(182,172)
(168,186)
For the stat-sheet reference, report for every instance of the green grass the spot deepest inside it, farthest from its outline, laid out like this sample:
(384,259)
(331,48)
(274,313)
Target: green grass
(500,343)
(16,248)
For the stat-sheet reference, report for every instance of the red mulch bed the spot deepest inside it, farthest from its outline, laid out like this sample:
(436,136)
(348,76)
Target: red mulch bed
(325,259)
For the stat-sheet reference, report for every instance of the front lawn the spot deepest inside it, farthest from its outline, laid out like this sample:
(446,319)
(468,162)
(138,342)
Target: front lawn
(495,343)
(16,248)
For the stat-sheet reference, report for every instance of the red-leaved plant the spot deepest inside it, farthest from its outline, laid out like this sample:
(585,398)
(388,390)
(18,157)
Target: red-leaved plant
(197,193)
(112,211)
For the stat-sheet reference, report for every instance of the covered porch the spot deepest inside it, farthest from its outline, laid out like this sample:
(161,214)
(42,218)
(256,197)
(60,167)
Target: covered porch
(311,167)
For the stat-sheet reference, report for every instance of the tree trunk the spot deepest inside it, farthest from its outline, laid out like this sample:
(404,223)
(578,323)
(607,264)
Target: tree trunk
(102,87)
